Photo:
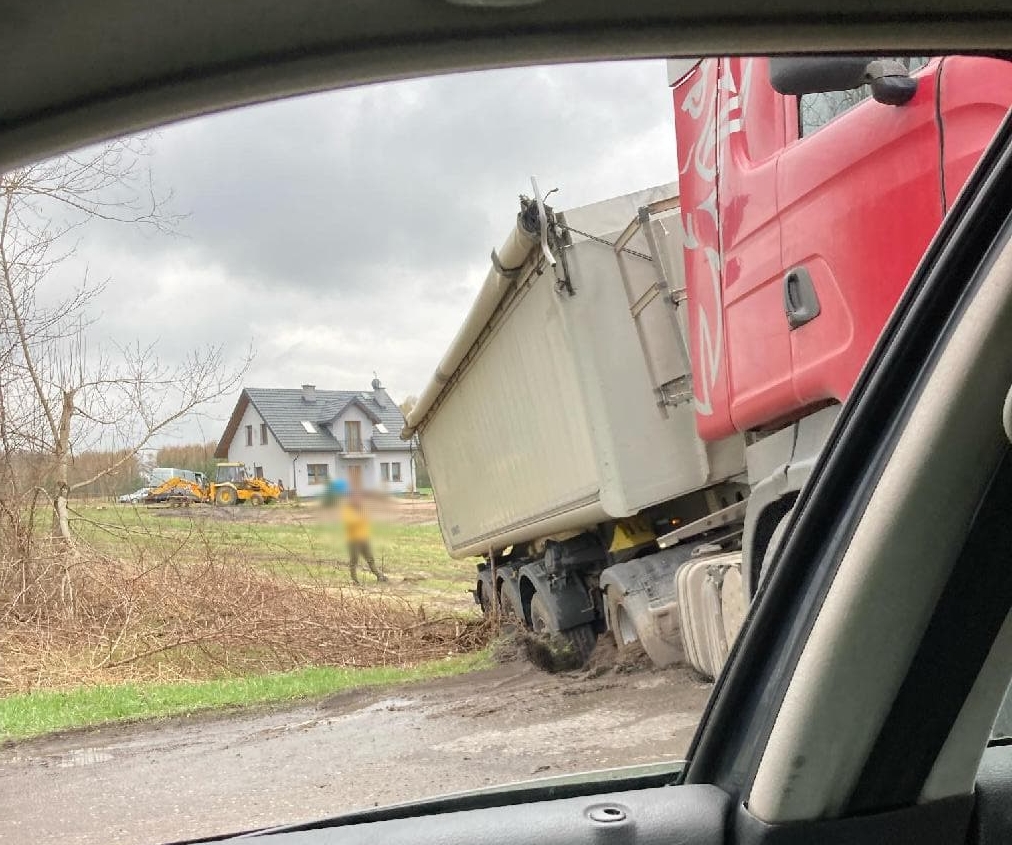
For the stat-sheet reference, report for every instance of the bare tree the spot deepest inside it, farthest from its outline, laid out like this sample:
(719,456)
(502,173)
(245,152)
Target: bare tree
(58,397)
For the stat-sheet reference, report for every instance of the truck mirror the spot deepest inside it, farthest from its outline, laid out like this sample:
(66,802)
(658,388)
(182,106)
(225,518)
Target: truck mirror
(891,82)
(889,79)
(799,75)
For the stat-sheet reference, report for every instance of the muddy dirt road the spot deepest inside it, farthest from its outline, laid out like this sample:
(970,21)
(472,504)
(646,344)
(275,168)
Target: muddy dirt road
(185,778)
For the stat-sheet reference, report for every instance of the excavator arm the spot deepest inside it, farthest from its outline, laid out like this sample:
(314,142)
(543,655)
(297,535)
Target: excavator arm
(177,491)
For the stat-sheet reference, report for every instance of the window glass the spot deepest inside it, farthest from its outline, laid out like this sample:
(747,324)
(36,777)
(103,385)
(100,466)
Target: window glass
(816,110)
(229,473)
(317,473)
(348,233)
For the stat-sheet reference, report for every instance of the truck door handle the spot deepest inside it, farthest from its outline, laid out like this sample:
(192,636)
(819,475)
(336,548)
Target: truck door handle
(801,303)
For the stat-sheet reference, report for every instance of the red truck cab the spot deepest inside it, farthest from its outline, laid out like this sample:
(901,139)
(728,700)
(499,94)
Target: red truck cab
(805,217)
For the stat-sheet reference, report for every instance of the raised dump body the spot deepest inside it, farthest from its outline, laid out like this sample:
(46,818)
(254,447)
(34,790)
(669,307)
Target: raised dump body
(565,401)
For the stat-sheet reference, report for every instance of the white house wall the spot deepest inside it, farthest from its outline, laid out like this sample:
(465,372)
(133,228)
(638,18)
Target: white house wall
(274,460)
(292,468)
(371,472)
(302,486)
(407,482)
(352,414)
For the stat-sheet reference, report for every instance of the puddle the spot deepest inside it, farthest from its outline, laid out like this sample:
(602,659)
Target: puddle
(388,704)
(83,757)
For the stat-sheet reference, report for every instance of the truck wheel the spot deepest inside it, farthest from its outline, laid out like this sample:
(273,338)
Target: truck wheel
(512,614)
(256,500)
(484,592)
(580,639)
(224,496)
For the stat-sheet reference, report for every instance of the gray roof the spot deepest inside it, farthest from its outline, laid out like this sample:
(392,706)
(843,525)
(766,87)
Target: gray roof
(284,409)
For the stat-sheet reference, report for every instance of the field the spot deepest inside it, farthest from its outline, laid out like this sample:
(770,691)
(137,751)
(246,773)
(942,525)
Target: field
(299,541)
(161,610)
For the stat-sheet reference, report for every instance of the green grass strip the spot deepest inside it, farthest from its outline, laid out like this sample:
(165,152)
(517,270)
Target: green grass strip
(43,712)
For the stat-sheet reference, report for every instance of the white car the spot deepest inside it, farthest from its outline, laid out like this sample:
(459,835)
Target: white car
(136,496)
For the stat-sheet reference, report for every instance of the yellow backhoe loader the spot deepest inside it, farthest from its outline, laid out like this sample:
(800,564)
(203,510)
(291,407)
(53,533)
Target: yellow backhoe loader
(177,491)
(233,484)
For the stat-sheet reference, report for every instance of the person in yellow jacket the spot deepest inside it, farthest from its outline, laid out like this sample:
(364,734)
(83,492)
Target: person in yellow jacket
(356,531)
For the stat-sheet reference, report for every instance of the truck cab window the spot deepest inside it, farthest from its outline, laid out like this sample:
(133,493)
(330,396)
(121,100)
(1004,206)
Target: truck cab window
(816,110)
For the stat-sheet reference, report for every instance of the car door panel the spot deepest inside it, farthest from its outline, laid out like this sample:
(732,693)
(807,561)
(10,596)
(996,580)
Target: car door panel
(992,822)
(688,815)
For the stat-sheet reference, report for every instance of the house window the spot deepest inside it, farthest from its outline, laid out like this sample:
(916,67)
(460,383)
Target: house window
(395,471)
(384,472)
(249,435)
(263,434)
(353,436)
(318,473)
(258,471)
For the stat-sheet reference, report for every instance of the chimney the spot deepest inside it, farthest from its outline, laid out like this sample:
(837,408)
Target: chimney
(379,395)
(309,393)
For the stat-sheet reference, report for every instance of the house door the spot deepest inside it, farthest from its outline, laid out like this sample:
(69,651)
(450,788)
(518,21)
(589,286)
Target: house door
(353,436)
(355,476)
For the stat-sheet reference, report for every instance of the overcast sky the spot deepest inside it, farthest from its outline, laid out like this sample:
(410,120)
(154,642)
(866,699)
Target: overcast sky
(348,233)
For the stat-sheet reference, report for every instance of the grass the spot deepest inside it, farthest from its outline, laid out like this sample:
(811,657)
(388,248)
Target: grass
(288,540)
(61,682)
(36,713)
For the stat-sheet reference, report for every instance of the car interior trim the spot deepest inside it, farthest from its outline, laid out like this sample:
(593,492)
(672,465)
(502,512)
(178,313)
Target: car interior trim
(955,767)
(969,615)
(149,64)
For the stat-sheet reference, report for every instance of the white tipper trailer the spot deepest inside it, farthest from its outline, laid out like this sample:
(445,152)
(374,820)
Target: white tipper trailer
(560,437)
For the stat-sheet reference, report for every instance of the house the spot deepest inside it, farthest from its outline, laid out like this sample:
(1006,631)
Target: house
(308,437)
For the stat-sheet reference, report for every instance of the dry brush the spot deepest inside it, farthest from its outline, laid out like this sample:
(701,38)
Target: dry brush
(177,616)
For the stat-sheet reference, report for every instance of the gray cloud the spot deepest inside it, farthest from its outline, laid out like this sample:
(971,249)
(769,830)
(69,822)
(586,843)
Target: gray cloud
(348,232)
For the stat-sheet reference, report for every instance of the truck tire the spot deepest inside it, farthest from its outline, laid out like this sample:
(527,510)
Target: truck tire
(512,613)
(256,500)
(225,496)
(580,639)
(484,592)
